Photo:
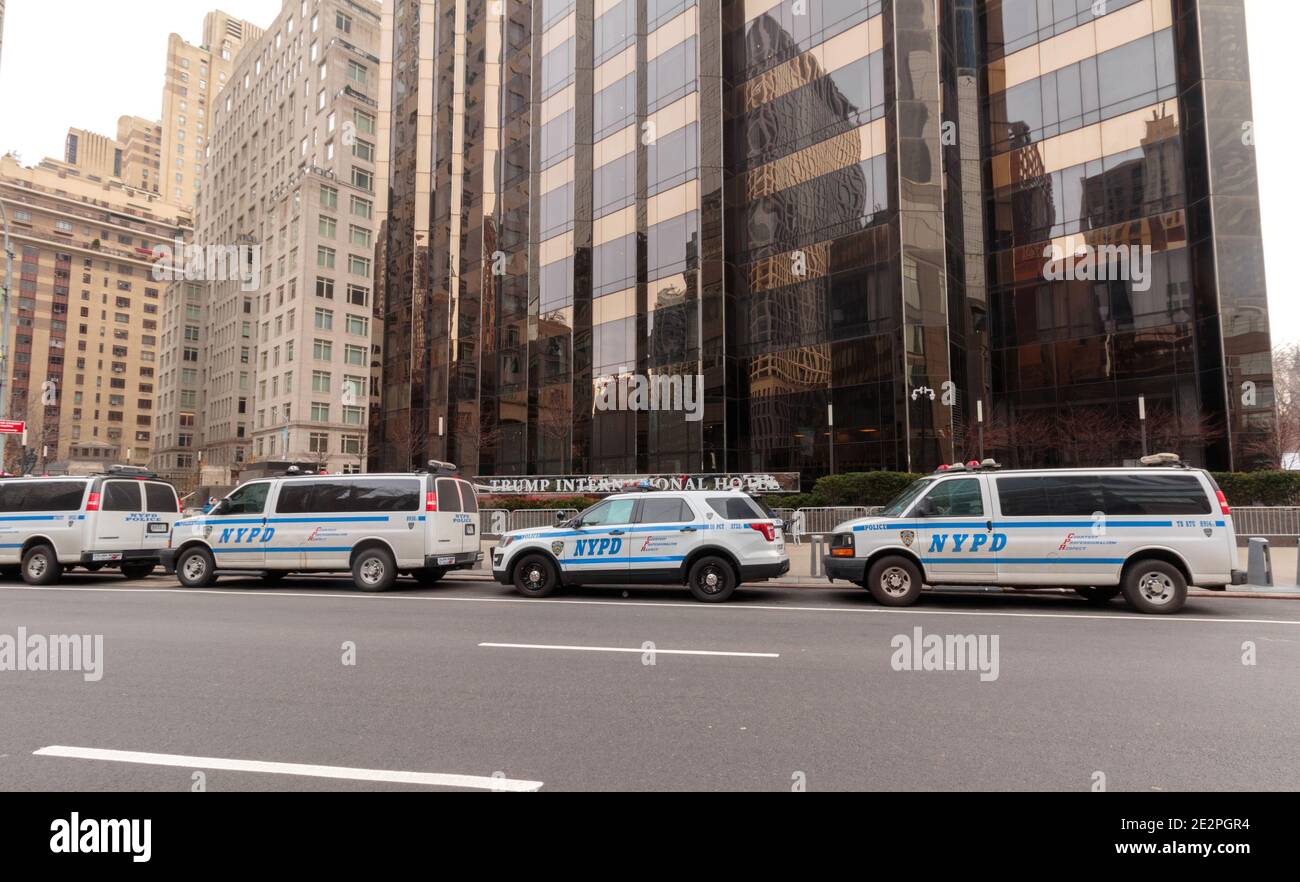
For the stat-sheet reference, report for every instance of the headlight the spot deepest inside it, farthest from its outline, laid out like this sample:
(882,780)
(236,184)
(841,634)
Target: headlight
(842,545)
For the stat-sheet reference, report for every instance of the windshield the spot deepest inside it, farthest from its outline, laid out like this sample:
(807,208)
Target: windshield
(901,502)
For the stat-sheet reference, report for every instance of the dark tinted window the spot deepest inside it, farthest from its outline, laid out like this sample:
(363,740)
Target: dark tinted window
(1155,495)
(330,496)
(448,495)
(1052,496)
(736,507)
(385,494)
(664,511)
(121,496)
(468,501)
(42,495)
(160,497)
(295,497)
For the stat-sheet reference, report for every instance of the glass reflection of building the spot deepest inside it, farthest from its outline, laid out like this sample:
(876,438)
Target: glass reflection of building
(811,203)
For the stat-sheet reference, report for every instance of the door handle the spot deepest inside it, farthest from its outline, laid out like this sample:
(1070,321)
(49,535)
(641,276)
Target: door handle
(616,532)
(989,526)
(687,530)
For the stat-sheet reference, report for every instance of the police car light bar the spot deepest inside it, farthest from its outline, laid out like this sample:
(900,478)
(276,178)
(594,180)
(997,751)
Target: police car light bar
(438,467)
(1162,459)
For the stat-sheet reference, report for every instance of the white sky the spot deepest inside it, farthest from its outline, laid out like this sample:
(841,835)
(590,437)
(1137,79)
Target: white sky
(84,63)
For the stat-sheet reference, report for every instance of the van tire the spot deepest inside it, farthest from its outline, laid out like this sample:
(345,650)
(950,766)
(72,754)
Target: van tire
(137,571)
(536,576)
(894,581)
(41,566)
(374,570)
(195,568)
(429,576)
(711,580)
(1098,596)
(1154,587)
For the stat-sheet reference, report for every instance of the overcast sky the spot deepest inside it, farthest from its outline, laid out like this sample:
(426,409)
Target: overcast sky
(84,63)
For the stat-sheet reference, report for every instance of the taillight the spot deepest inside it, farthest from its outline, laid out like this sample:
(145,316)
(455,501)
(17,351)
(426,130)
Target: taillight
(1223,502)
(430,501)
(768,531)
(92,504)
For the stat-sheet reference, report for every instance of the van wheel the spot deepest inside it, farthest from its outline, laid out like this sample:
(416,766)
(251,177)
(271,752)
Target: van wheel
(374,570)
(711,580)
(137,571)
(894,581)
(1153,586)
(40,566)
(195,568)
(535,576)
(1098,596)
(430,576)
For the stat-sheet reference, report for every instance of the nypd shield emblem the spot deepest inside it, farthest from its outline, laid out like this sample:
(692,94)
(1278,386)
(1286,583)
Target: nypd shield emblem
(557,548)
(908,537)
(1209,531)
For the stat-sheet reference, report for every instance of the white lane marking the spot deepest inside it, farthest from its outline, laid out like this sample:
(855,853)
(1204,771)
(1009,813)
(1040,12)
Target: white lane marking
(700,607)
(626,649)
(427,779)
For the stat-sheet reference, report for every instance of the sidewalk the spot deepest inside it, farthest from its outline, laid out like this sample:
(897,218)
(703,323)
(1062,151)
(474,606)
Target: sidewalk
(1284,573)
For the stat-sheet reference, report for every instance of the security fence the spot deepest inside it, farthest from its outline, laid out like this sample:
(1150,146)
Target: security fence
(1266,520)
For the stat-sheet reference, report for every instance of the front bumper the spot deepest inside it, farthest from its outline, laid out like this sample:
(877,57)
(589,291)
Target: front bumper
(167,560)
(464,560)
(851,569)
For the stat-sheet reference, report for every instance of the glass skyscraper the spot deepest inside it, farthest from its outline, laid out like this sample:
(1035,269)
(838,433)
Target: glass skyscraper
(815,210)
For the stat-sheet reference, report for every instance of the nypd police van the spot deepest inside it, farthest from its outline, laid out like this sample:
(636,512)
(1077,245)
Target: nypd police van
(710,541)
(1145,532)
(375,526)
(119,519)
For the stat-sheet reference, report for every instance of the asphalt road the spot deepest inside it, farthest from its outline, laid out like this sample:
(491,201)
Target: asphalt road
(242,674)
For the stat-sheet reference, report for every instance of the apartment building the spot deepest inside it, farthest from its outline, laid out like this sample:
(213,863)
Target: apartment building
(193,77)
(133,156)
(278,364)
(86,310)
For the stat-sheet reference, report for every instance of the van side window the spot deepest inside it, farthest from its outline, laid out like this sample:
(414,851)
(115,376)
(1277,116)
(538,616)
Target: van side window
(248,499)
(160,497)
(329,495)
(41,495)
(468,501)
(669,510)
(1155,495)
(121,496)
(294,498)
(1051,496)
(448,495)
(385,494)
(952,499)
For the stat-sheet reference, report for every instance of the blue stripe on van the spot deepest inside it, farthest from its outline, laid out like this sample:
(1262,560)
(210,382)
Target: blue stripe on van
(35,517)
(618,560)
(961,559)
(921,523)
(230,549)
(221,522)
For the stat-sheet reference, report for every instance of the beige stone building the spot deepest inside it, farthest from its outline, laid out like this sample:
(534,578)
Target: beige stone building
(194,76)
(85,310)
(278,365)
(133,156)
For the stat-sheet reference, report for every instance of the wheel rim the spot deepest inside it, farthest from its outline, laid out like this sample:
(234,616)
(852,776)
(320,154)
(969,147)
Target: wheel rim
(534,577)
(711,579)
(895,582)
(195,567)
(372,571)
(37,566)
(1156,587)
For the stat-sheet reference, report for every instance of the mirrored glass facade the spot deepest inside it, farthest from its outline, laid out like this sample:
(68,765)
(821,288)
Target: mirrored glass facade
(816,210)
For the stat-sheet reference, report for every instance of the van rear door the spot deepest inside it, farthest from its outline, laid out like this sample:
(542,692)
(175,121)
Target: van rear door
(161,511)
(446,518)
(470,537)
(119,526)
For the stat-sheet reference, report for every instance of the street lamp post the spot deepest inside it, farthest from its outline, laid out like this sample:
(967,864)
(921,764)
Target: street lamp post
(830,419)
(979,416)
(1142,421)
(4,330)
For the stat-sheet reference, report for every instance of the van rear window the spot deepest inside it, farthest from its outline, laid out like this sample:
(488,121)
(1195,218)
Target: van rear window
(41,495)
(160,497)
(1114,494)
(448,495)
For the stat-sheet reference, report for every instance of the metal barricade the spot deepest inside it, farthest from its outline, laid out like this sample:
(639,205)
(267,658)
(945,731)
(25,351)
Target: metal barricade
(1260,520)
(825,519)
(526,518)
(493,521)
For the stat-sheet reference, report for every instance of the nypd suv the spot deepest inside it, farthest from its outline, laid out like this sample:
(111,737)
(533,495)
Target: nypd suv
(710,541)
(375,526)
(1146,532)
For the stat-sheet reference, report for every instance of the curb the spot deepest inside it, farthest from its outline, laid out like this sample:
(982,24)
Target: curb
(813,583)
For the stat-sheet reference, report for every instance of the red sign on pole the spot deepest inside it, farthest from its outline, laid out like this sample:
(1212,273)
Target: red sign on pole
(12,427)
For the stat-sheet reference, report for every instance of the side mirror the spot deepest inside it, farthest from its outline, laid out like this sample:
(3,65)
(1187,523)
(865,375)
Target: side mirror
(221,507)
(559,517)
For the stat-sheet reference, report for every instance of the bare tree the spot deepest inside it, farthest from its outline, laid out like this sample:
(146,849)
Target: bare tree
(1280,447)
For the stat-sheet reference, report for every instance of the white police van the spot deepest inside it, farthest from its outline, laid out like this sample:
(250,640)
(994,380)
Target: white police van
(373,525)
(710,541)
(1145,532)
(121,519)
